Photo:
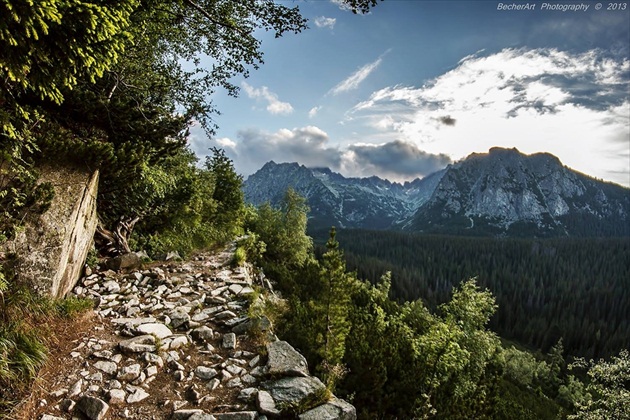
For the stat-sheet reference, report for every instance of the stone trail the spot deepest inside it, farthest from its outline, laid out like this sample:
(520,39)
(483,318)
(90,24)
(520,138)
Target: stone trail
(176,343)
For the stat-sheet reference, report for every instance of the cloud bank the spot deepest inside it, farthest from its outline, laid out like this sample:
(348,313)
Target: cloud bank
(576,106)
(311,146)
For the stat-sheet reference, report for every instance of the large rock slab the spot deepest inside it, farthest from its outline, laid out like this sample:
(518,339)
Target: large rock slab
(334,409)
(292,391)
(284,360)
(52,248)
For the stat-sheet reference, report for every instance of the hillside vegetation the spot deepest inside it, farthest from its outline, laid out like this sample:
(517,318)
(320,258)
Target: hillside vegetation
(570,288)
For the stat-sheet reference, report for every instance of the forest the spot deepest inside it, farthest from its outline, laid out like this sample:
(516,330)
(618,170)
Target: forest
(546,289)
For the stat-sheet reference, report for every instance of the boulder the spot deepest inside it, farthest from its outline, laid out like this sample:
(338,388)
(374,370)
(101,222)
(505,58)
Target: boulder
(52,248)
(334,409)
(284,360)
(293,391)
(127,261)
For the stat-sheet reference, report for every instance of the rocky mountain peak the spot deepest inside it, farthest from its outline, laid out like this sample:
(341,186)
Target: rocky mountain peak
(502,192)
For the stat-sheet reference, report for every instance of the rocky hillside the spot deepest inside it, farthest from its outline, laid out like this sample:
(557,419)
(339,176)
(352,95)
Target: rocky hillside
(177,341)
(336,200)
(502,192)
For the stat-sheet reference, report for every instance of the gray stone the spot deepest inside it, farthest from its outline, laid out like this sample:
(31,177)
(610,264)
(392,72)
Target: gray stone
(334,409)
(247,394)
(116,396)
(184,414)
(178,341)
(229,341)
(213,384)
(262,324)
(203,333)
(105,366)
(293,390)
(138,344)
(52,247)
(202,416)
(49,417)
(284,360)
(138,395)
(157,329)
(241,415)
(129,373)
(179,317)
(124,262)
(76,389)
(266,404)
(94,408)
(205,373)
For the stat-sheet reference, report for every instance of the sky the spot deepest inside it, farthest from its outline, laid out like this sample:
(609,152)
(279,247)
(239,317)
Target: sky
(415,85)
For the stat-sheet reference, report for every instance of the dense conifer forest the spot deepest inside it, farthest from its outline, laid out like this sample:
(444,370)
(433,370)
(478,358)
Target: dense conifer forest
(546,289)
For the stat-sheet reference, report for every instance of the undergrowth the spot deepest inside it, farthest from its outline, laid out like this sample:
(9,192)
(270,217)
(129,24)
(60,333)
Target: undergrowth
(25,319)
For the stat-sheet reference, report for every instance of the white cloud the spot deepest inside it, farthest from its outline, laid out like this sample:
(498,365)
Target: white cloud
(311,146)
(575,106)
(274,105)
(354,80)
(313,111)
(325,22)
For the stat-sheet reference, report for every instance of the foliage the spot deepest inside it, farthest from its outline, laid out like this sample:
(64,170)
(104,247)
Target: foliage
(546,289)
(609,389)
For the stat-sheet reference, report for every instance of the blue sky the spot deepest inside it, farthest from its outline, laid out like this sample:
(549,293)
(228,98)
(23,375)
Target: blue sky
(415,85)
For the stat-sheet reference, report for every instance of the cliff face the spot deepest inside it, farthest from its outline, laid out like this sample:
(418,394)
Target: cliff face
(52,248)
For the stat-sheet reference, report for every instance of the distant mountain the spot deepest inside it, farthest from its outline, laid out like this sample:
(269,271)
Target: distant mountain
(502,193)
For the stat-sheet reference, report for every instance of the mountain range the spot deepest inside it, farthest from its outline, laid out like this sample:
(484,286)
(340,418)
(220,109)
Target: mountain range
(500,193)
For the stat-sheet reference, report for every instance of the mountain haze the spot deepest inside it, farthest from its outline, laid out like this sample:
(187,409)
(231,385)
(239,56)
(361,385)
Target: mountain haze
(501,193)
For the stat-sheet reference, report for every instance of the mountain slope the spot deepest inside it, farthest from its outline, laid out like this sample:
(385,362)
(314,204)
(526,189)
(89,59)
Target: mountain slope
(500,193)
(505,192)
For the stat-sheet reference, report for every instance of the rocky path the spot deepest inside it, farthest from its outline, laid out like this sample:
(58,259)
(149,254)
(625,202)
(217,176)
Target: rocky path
(176,341)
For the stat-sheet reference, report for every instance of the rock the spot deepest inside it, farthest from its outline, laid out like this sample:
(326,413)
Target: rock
(178,341)
(138,344)
(127,261)
(247,394)
(116,396)
(172,255)
(203,333)
(52,247)
(334,409)
(213,384)
(67,405)
(266,404)
(241,415)
(49,417)
(138,395)
(205,373)
(284,360)
(94,408)
(76,389)
(107,367)
(184,414)
(293,390)
(229,341)
(129,373)
(202,416)
(157,329)
(179,317)
(262,324)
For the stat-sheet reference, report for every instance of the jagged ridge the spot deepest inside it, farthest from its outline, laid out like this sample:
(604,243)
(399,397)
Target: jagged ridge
(502,192)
